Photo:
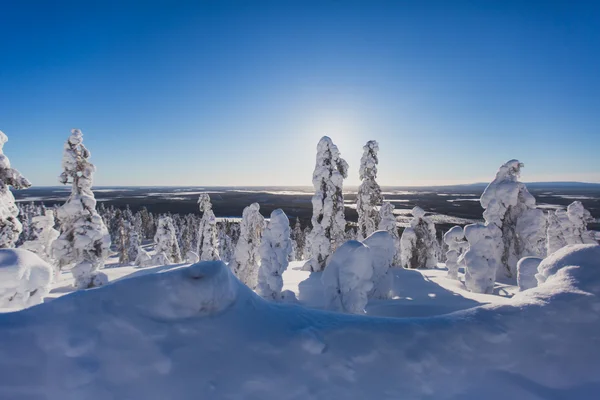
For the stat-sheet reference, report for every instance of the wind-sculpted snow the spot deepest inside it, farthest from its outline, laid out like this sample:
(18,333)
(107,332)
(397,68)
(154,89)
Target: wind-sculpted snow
(197,333)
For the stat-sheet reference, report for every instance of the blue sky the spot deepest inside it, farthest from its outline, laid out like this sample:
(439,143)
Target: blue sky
(239,92)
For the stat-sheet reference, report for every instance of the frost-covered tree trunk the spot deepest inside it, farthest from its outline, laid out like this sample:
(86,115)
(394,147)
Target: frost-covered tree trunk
(369,193)
(10,226)
(387,222)
(208,246)
(569,227)
(328,221)
(84,240)
(246,258)
(275,249)
(454,239)
(418,244)
(166,245)
(509,205)
(482,259)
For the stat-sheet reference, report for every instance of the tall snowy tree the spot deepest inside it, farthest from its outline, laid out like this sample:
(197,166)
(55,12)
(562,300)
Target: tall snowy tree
(483,258)
(84,241)
(369,196)
(568,227)
(208,246)
(454,239)
(418,244)
(298,241)
(166,246)
(387,222)
(246,258)
(328,221)
(275,249)
(10,227)
(509,205)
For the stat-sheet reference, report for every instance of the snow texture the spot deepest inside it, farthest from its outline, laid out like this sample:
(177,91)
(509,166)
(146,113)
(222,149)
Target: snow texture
(44,235)
(328,220)
(569,227)
(482,259)
(419,247)
(275,250)
(369,197)
(10,227)
(457,246)
(24,279)
(246,258)
(166,245)
(568,257)
(191,257)
(348,278)
(382,250)
(527,268)
(84,241)
(208,246)
(387,222)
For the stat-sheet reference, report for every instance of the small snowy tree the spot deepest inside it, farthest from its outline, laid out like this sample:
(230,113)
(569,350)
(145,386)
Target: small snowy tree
(509,205)
(226,247)
(275,249)
(454,239)
(246,257)
(166,246)
(143,259)
(10,227)
(208,246)
(569,227)
(133,243)
(44,235)
(369,196)
(84,241)
(482,259)
(328,221)
(348,278)
(527,268)
(298,241)
(387,222)
(418,244)
(382,249)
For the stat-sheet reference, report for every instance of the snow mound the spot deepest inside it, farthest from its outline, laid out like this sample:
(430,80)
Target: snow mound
(24,278)
(197,332)
(526,270)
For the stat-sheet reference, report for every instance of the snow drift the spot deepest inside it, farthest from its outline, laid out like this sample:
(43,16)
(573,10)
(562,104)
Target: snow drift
(24,278)
(197,332)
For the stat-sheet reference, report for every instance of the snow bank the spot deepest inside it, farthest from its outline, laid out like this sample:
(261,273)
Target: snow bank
(197,332)
(526,271)
(24,278)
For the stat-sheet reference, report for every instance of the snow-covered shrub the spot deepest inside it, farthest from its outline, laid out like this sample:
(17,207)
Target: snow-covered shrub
(482,259)
(509,205)
(348,278)
(43,235)
(143,259)
(382,249)
(418,244)
(569,227)
(208,246)
(369,196)
(454,239)
(275,250)
(246,257)
(84,241)
(328,220)
(10,227)
(166,245)
(387,222)
(24,278)
(526,270)
(191,257)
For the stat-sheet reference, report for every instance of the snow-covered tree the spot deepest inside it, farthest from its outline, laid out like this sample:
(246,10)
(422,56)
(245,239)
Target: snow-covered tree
(226,247)
(10,227)
(482,259)
(191,257)
(84,241)
(369,196)
(418,244)
(143,259)
(133,243)
(328,221)
(275,249)
(44,235)
(382,249)
(569,227)
(348,278)
(166,246)
(527,268)
(246,258)
(208,246)
(298,241)
(387,222)
(509,205)
(457,245)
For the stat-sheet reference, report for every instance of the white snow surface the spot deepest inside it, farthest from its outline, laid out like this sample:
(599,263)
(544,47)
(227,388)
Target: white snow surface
(24,278)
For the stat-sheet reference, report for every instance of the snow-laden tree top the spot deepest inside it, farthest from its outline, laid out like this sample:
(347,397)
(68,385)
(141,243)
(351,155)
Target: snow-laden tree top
(10,176)
(76,167)
(369,160)
(204,202)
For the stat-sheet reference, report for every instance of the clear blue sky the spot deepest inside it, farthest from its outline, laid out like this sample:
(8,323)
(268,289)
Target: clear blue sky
(239,92)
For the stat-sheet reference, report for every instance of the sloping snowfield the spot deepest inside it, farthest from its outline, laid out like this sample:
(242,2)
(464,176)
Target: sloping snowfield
(197,333)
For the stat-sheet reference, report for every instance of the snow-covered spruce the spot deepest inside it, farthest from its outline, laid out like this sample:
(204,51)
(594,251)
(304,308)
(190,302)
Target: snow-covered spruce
(348,278)
(369,197)
(526,271)
(328,220)
(383,249)
(418,244)
(133,243)
(387,222)
(166,246)
(275,249)
(569,227)
(298,241)
(457,245)
(482,259)
(84,241)
(44,235)
(509,205)
(208,246)
(10,227)
(143,259)
(247,257)
(24,278)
